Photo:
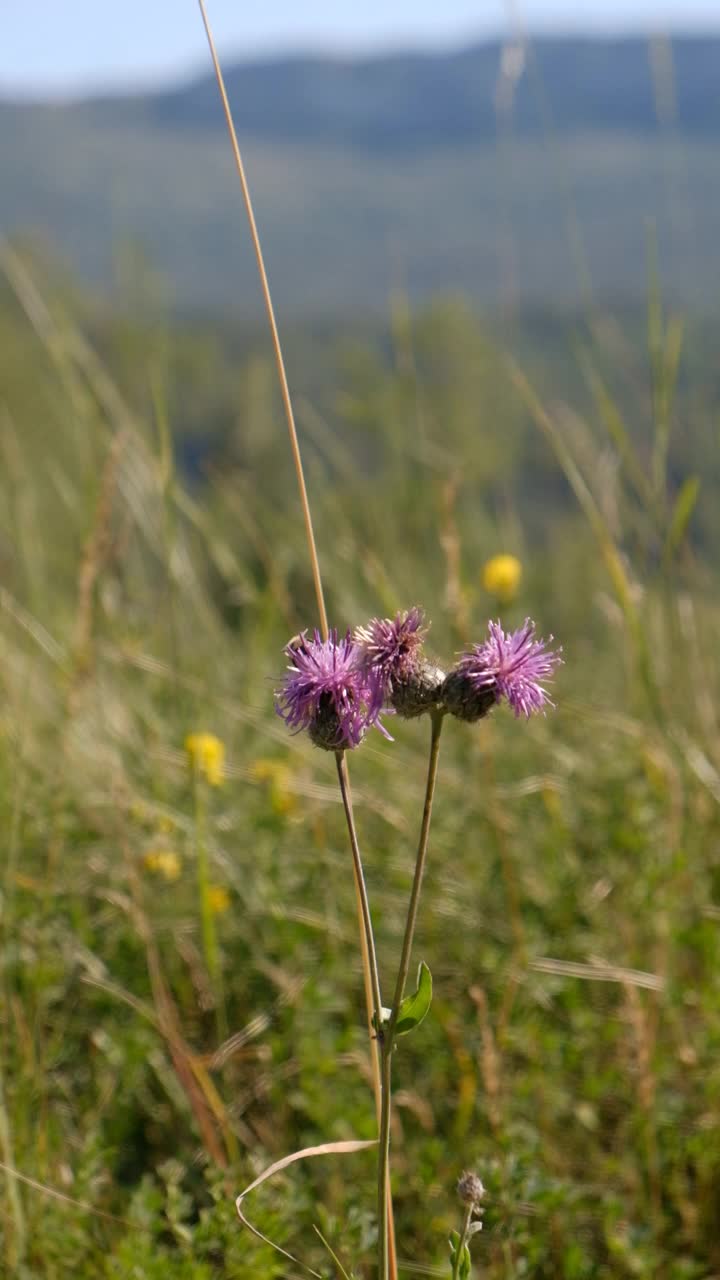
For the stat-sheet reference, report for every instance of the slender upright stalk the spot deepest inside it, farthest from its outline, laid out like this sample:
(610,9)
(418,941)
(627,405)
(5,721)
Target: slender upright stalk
(371,978)
(384,1193)
(404,966)
(274,334)
(388,1035)
(366,922)
(302,488)
(462,1241)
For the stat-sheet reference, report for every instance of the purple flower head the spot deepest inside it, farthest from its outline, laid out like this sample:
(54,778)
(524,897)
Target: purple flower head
(511,665)
(391,646)
(328,691)
(393,653)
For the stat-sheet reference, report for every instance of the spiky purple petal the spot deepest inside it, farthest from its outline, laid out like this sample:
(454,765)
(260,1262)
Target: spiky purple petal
(391,646)
(513,665)
(328,691)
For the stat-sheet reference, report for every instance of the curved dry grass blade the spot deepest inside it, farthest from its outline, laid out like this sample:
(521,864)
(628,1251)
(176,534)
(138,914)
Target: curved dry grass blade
(325,1149)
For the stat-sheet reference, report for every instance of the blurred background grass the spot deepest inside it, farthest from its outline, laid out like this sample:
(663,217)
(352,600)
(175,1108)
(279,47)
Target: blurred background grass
(151,568)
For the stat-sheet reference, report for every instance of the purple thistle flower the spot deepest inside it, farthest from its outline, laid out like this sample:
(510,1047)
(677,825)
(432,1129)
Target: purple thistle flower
(391,645)
(328,691)
(512,666)
(393,653)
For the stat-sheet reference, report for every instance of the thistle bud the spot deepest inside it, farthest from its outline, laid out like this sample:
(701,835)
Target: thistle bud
(417,691)
(470,1189)
(464,699)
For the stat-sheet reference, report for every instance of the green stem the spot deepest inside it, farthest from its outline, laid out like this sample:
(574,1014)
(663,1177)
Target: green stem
(371,977)
(437,724)
(384,1161)
(369,948)
(387,1038)
(462,1241)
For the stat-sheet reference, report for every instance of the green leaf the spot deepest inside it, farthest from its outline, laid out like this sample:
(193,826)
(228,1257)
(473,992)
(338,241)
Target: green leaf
(414,1008)
(463,1269)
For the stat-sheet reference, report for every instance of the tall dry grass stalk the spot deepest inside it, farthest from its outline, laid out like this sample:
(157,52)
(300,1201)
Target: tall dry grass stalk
(274,333)
(369,981)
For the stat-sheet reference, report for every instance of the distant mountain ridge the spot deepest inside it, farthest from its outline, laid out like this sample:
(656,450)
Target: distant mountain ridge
(407,100)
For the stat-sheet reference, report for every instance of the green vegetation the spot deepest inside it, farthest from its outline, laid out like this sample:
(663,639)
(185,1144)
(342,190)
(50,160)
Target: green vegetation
(163,1043)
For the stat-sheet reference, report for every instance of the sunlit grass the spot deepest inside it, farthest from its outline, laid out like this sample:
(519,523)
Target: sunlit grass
(571,916)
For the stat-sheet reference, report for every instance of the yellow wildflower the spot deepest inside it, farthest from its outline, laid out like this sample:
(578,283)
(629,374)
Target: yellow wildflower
(163,862)
(281,801)
(279,777)
(218,899)
(264,770)
(206,754)
(501,577)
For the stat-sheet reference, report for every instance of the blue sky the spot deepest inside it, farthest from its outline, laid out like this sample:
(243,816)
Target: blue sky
(58,47)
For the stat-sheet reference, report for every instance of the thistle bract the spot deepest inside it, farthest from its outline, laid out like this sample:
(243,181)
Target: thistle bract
(418,692)
(329,691)
(464,699)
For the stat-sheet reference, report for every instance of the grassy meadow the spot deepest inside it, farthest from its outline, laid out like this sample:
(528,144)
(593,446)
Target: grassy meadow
(156,1058)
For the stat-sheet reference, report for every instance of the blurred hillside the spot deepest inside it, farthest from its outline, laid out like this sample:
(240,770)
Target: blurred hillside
(518,174)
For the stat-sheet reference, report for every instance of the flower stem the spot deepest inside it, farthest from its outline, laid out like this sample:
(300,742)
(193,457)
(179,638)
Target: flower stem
(368,983)
(462,1241)
(387,1038)
(371,978)
(364,905)
(437,723)
(384,1188)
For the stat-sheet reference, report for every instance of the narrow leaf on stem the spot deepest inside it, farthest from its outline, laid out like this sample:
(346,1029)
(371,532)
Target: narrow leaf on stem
(415,1007)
